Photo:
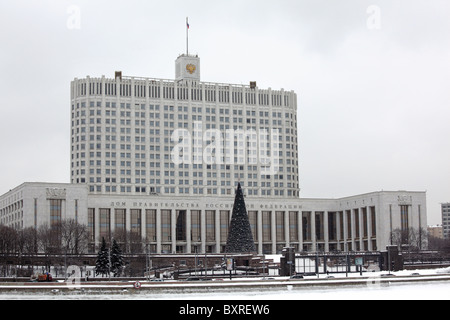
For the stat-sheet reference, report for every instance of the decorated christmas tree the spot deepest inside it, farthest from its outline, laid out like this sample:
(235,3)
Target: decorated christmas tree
(240,238)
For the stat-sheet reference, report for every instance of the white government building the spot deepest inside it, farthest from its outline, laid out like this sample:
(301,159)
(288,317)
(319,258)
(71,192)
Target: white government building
(161,158)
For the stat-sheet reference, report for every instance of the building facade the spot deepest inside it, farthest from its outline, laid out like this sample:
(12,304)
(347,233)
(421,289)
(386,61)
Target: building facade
(188,224)
(126,136)
(446,220)
(162,158)
(36,204)
(435,231)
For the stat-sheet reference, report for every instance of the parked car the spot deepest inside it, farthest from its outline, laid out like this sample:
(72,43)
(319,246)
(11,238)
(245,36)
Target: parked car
(193,279)
(42,277)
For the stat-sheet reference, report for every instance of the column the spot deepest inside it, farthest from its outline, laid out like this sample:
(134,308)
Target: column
(144,225)
(345,235)
(313,230)
(287,228)
(338,230)
(300,230)
(325,231)
(361,229)
(112,220)
(97,226)
(259,232)
(127,219)
(419,211)
(63,210)
(273,230)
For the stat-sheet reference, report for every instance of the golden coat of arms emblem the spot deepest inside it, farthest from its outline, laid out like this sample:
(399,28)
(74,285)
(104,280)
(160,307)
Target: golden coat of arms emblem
(191,68)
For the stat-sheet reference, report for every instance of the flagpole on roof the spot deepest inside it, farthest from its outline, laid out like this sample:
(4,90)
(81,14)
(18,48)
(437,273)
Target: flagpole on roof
(187,36)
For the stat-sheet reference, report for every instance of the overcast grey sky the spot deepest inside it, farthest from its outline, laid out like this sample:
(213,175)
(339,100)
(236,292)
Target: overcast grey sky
(372,79)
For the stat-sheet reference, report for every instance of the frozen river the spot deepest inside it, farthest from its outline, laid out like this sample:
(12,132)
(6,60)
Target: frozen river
(372,286)
(386,291)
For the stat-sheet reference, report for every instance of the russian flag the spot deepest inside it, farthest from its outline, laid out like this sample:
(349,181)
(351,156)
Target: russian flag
(187,23)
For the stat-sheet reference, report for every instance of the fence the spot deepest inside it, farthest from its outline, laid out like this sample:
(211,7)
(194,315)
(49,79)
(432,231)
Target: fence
(323,263)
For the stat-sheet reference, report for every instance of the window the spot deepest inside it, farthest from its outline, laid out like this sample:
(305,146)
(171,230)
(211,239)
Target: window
(349,224)
(356,214)
(374,221)
(55,212)
(166,222)
(404,217)
(120,220)
(365,222)
(135,217)
(105,230)
(151,225)
(319,216)
(332,225)
(210,225)
(224,225)
(91,226)
(253,219)
(293,226)
(306,225)
(181,225)
(195,226)
(266,226)
(280,226)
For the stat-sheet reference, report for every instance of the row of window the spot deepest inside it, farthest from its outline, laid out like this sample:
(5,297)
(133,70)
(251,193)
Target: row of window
(111,110)
(225,175)
(166,90)
(8,218)
(111,107)
(189,190)
(312,224)
(208,119)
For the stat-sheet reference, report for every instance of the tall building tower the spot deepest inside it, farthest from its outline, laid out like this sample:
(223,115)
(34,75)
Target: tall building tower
(146,136)
(446,220)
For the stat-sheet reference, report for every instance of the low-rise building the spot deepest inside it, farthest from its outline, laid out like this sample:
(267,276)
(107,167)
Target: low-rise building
(188,224)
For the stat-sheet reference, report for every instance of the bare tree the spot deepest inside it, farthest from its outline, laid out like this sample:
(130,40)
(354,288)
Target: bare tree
(27,241)
(129,241)
(414,239)
(74,237)
(8,240)
(121,237)
(438,244)
(135,242)
(49,240)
